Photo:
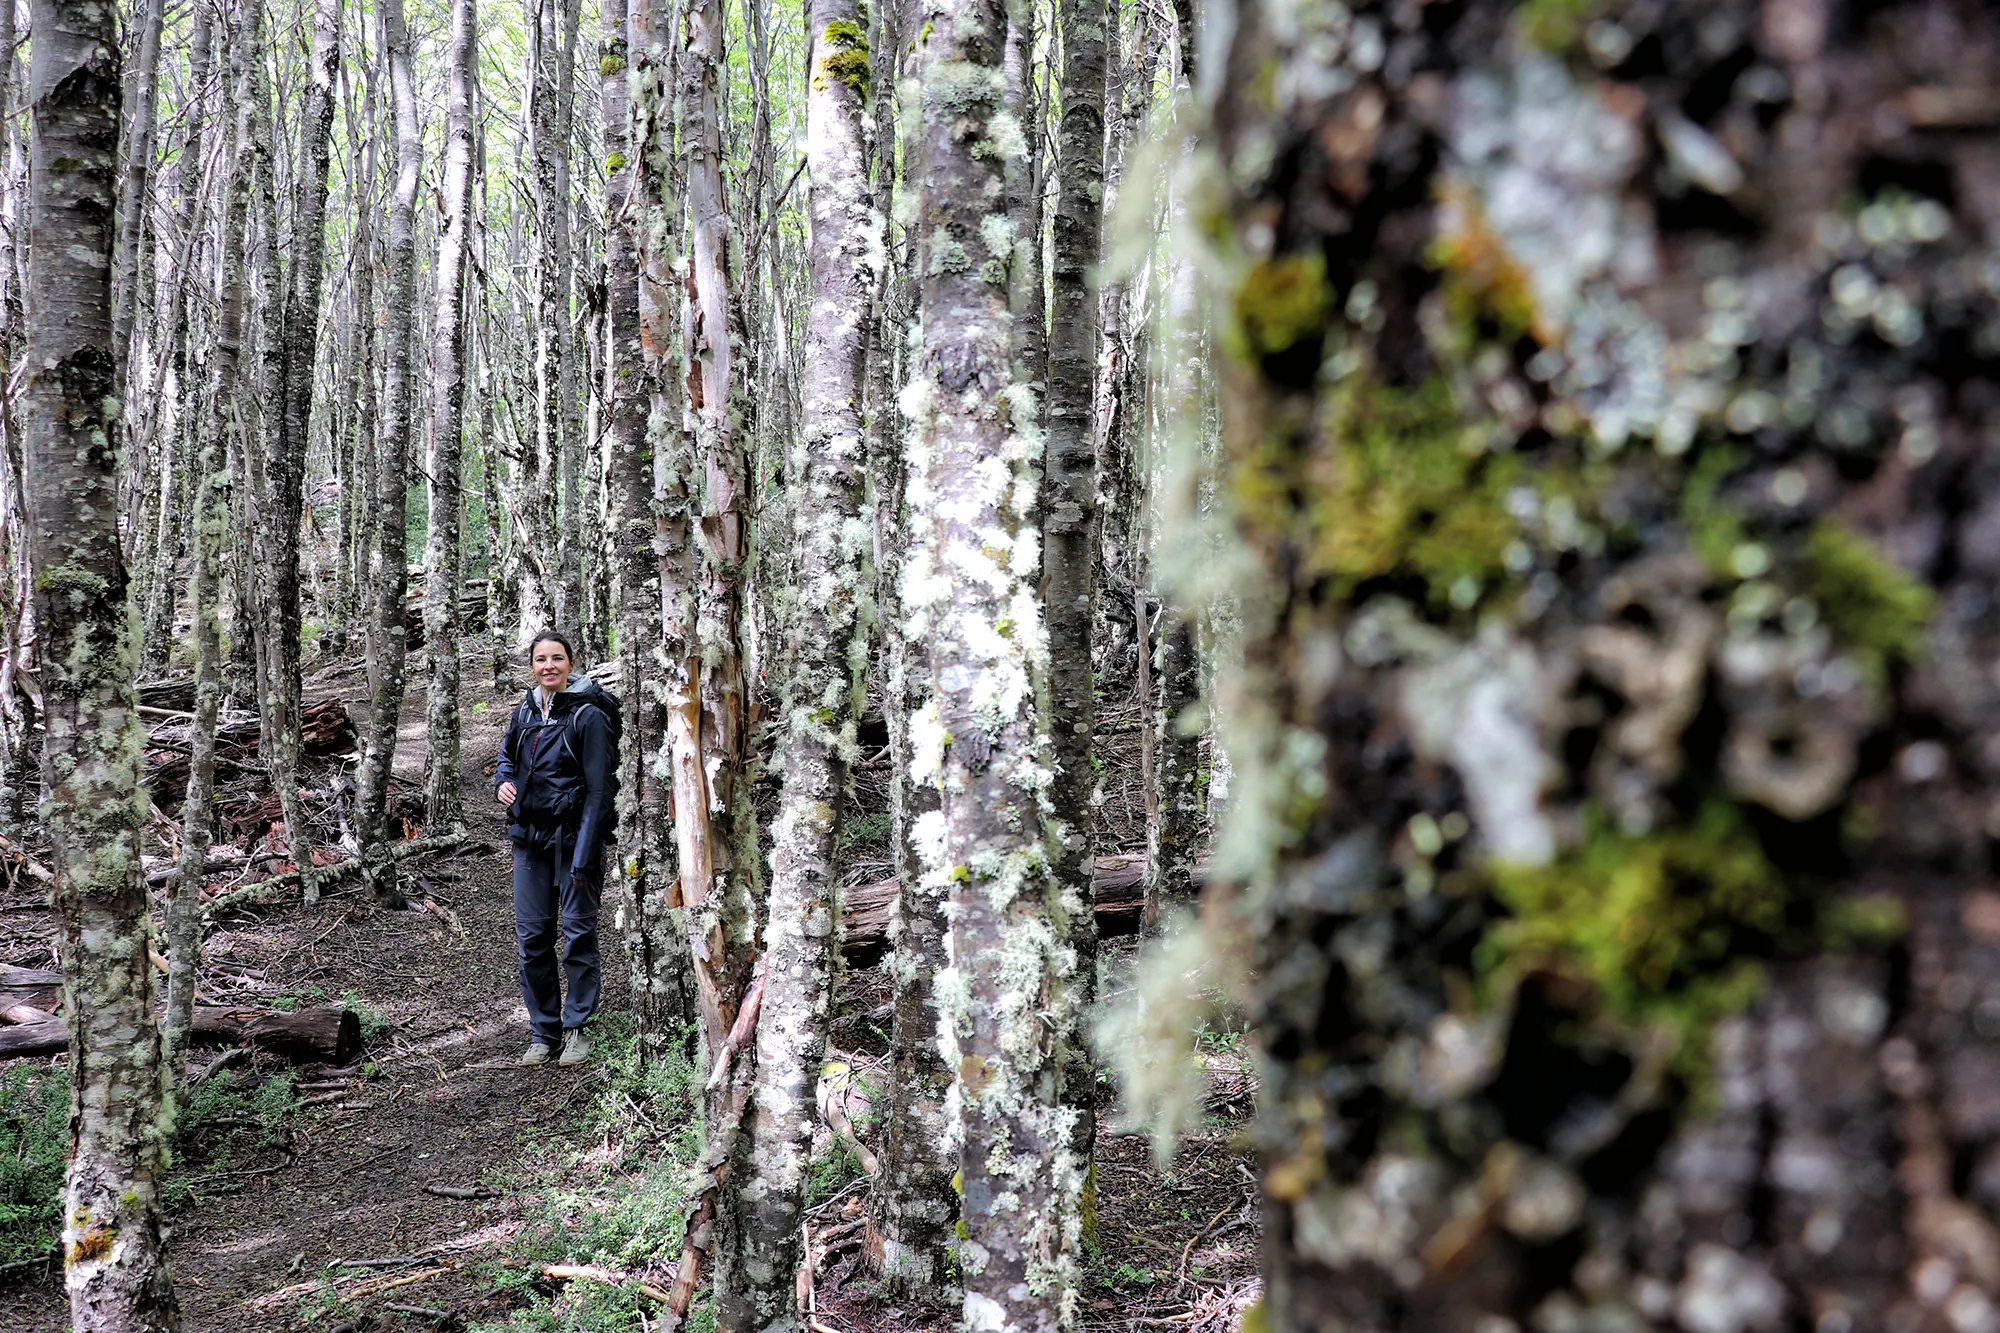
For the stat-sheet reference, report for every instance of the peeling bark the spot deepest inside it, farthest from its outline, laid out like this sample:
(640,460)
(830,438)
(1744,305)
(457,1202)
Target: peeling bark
(655,944)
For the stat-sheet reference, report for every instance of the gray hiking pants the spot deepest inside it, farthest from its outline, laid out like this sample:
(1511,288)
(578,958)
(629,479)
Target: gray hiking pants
(548,904)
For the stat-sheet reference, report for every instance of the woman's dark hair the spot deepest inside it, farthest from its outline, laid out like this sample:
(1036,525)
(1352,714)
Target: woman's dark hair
(550,636)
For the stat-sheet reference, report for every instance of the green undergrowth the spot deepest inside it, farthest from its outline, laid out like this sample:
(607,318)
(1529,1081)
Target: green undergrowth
(238,1115)
(608,1185)
(34,1143)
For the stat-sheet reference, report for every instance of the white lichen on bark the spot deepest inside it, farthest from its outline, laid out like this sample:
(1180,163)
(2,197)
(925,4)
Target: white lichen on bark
(1005,1006)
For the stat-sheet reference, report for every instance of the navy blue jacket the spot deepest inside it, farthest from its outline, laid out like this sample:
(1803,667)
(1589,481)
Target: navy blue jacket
(561,771)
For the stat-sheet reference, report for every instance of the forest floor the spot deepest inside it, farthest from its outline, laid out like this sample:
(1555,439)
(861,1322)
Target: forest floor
(308,1197)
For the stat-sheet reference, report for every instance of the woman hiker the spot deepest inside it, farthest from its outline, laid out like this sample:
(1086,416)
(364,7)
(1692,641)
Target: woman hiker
(555,775)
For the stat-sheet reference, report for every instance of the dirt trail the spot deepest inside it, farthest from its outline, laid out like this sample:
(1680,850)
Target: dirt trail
(445,1104)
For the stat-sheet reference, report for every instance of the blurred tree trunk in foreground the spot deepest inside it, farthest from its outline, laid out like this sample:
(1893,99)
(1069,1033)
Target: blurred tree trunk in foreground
(1609,407)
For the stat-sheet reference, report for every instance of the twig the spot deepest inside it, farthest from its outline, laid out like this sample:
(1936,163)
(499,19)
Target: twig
(1187,1253)
(217,1065)
(446,915)
(832,1110)
(610,1277)
(366,1289)
(423,1312)
(387,1261)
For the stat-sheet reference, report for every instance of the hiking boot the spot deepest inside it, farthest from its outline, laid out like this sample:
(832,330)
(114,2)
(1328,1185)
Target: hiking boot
(536,1054)
(576,1048)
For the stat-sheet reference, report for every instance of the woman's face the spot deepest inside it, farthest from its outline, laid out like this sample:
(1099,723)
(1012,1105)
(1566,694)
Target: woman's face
(550,664)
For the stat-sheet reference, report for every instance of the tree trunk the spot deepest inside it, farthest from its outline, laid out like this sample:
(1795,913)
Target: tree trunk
(1175,835)
(114,1266)
(390,578)
(1122,365)
(162,585)
(552,601)
(653,931)
(443,563)
(1024,187)
(1006,1004)
(909,1240)
(755,1276)
(706,717)
(135,177)
(1069,524)
(221,420)
(365,443)
(1614,721)
(284,503)
(706,696)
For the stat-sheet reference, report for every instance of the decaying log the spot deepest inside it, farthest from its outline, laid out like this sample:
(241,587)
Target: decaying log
(328,1035)
(866,909)
(268,890)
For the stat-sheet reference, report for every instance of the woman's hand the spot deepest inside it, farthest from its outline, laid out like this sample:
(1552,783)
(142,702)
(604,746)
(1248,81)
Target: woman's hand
(506,793)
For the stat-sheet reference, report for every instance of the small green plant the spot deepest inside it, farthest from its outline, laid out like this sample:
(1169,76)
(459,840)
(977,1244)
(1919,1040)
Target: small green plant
(373,1021)
(34,1142)
(832,1172)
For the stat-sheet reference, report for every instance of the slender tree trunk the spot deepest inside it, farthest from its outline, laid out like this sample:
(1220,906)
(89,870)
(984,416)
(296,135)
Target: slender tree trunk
(16,779)
(910,1238)
(443,562)
(1069,524)
(653,932)
(1122,359)
(706,697)
(390,579)
(755,1278)
(113,1259)
(135,175)
(364,444)
(161,585)
(1007,1010)
(1024,199)
(220,417)
(298,339)
(1176,834)
(551,600)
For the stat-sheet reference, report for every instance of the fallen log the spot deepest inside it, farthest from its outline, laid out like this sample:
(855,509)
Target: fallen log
(265,890)
(328,1035)
(866,910)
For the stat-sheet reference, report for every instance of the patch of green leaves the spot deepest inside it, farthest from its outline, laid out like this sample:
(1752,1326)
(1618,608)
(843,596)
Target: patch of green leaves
(34,1144)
